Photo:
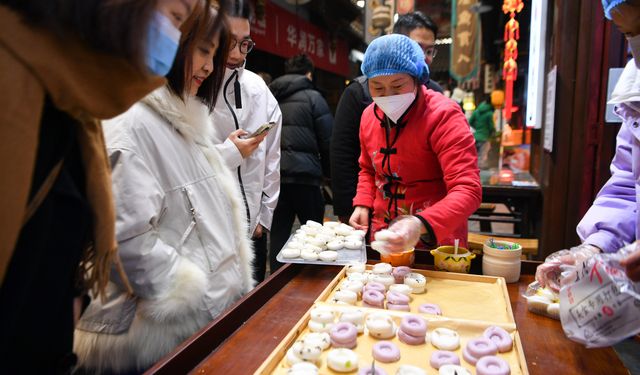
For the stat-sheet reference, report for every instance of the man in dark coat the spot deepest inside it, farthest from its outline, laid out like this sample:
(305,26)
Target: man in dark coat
(304,160)
(345,144)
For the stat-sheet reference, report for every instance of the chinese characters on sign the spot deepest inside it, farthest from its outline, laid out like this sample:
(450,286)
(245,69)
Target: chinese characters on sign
(282,33)
(510,67)
(465,48)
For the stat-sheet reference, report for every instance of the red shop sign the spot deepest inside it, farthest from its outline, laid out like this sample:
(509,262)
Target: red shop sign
(282,33)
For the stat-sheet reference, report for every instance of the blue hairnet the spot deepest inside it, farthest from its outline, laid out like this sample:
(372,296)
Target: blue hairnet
(394,53)
(608,5)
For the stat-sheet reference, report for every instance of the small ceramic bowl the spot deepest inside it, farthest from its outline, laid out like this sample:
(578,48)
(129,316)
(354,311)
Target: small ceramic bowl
(405,258)
(446,260)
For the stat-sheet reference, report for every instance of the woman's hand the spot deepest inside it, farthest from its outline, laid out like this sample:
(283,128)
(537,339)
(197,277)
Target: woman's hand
(632,264)
(549,273)
(246,146)
(360,218)
(403,233)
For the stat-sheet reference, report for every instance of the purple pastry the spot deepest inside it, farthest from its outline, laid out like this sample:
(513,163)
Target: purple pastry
(367,371)
(430,308)
(443,357)
(409,339)
(386,352)
(399,273)
(478,348)
(492,365)
(500,337)
(414,325)
(343,332)
(373,298)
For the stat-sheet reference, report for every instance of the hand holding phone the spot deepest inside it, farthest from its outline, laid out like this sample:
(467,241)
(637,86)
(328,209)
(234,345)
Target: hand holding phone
(262,129)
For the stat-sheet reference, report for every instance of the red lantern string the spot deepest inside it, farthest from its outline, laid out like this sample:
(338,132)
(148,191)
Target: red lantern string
(510,67)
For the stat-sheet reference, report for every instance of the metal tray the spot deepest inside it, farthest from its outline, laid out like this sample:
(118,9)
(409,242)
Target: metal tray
(345,256)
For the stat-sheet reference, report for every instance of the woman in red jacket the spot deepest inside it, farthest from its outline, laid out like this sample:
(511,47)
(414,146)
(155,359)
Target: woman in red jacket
(418,163)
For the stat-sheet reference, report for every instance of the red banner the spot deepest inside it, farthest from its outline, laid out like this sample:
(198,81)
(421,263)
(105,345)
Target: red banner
(282,33)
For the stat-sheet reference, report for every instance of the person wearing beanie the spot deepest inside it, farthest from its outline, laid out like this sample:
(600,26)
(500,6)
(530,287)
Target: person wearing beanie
(418,166)
(613,219)
(345,147)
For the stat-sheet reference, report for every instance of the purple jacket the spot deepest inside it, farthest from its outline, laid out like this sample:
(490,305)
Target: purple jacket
(613,219)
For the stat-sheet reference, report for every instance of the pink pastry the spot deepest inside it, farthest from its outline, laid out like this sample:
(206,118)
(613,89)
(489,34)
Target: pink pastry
(430,308)
(443,357)
(399,273)
(478,348)
(373,298)
(492,365)
(500,337)
(386,352)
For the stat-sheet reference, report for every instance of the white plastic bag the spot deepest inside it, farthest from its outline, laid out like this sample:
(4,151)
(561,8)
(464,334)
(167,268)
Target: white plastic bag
(599,305)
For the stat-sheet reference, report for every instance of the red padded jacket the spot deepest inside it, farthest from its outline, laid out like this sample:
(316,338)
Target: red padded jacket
(426,166)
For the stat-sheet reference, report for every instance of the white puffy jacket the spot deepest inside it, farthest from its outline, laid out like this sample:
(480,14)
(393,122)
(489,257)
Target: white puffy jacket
(258,174)
(182,236)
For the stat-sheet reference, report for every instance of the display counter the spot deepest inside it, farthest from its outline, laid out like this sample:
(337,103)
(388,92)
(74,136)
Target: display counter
(241,339)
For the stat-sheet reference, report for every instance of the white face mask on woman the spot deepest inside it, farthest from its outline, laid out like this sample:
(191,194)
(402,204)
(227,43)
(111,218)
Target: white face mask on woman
(394,106)
(634,45)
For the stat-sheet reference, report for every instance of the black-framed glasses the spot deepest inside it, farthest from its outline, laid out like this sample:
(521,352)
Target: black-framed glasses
(246,45)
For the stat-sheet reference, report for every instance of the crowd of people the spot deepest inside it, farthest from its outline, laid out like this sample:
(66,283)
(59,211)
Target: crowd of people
(148,166)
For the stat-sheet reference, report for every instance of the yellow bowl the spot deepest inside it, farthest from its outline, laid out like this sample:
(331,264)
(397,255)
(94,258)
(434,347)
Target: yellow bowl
(446,260)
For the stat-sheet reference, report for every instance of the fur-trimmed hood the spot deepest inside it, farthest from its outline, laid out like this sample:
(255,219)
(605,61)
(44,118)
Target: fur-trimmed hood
(627,90)
(190,116)
(182,236)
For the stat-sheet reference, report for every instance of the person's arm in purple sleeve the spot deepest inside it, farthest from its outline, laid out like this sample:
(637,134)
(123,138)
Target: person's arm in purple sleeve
(611,223)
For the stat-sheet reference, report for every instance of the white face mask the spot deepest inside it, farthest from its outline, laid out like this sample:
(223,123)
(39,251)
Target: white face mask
(394,106)
(634,45)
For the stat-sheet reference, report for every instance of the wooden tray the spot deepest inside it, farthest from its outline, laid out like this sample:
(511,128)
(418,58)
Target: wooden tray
(467,327)
(459,295)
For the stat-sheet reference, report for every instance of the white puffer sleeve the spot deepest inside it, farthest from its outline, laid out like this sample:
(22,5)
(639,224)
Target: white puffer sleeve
(271,185)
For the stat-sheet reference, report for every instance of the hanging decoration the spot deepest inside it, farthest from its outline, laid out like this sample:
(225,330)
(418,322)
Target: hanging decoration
(378,18)
(465,47)
(510,67)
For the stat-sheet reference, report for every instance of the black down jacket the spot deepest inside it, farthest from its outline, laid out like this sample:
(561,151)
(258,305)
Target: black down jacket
(306,130)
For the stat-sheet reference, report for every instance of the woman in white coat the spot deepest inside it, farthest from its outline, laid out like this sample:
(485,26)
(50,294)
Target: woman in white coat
(181,223)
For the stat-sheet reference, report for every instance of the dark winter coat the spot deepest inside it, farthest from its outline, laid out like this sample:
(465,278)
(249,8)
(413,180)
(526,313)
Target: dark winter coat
(345,145)
(306,130)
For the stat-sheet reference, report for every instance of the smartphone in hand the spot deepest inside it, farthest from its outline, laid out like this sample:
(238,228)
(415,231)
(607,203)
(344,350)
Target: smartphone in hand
(262,129)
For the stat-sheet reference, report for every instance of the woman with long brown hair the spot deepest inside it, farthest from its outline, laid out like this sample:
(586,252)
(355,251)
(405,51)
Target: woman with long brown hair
(64,64)
(180,219)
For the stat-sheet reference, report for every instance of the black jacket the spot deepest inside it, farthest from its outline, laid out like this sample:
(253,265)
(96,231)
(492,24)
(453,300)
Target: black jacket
(306,130)
(345,143)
